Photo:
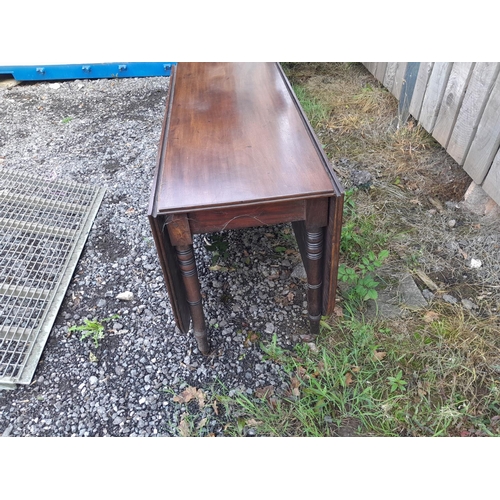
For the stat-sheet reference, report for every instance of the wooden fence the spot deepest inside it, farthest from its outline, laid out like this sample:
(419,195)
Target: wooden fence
(459,104)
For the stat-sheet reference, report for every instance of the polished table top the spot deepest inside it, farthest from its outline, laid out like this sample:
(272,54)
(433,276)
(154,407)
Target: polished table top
(231,138)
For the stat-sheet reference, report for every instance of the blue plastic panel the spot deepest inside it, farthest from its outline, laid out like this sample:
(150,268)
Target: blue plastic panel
(87,71)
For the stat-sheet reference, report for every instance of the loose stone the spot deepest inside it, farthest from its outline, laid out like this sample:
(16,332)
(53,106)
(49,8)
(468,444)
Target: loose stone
(126,296)
(468,304)
(449,298)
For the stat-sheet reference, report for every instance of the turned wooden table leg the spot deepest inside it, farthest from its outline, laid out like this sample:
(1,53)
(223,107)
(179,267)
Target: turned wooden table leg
(189,274)
(180,236)
(314,252)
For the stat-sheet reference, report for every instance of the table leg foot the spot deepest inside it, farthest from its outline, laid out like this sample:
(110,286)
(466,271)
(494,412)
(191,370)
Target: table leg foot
(189,274)
(314,250)
(199,327)
(202,342)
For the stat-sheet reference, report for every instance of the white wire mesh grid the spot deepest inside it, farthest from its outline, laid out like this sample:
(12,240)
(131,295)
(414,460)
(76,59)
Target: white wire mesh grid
(42,225)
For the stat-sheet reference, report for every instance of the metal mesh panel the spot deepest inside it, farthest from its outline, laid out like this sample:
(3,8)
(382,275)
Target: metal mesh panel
(43,227)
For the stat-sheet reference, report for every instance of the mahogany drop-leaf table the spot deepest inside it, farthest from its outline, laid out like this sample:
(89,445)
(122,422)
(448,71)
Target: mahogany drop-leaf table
(237,151)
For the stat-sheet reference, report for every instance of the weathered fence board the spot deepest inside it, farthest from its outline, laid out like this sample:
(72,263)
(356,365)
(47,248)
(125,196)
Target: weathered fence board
(459,104)
(487,139)
(390,73)
(398,79)
(380,71)
(419,90)
(407,89)
(492,182)
(370,66)
(434,95)
(481,82)
(452,100)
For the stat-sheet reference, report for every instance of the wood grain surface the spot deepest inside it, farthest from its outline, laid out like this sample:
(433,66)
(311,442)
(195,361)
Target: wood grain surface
(478,90)
(452,100)
(424,72)
(236,136)
(492,181)
(398,79)
(434,94)
(487,139)
(380,71)
(390,73)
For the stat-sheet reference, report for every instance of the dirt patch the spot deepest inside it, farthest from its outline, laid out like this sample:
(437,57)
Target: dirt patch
(362,129)
(350,427)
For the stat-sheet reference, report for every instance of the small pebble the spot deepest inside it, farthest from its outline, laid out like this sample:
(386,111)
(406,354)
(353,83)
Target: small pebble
(452,223)
(299,272)
(449,298)
(475,263)
(7,431)
(127,296)
(468,304)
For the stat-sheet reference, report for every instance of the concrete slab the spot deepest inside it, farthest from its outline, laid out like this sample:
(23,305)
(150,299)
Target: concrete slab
(386,306)
(396,301)
(409,293)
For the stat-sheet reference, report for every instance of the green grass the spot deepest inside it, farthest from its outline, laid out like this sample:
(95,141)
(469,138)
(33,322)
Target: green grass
(327,388)
(361,232)
(314,109)
(360,380)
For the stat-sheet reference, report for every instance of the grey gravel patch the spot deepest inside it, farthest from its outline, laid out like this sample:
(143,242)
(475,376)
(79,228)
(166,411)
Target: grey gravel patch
(106,133)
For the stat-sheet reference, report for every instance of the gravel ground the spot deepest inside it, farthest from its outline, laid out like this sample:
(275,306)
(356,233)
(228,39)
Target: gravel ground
(106,132)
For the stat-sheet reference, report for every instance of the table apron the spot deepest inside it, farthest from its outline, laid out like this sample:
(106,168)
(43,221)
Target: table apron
(240,217)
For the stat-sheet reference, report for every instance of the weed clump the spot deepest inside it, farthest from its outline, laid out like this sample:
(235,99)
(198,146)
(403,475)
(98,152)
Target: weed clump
(92,328)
